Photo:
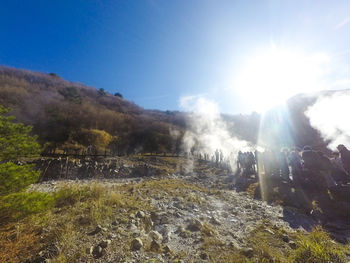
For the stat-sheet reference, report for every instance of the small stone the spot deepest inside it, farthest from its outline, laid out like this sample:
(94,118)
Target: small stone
(97,230)
(195,225)
(215,221)
(97,252)
(136,244)
(204,256)
(224,214)
(155,246)
(140,214)
(105,243)
(155,235)
(292,244)
(111,236)
(285,238)
(166,249)
(248,252)
(269,231)
(89,250)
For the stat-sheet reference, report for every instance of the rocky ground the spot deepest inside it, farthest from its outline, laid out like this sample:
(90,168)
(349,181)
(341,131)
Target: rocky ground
(190,213)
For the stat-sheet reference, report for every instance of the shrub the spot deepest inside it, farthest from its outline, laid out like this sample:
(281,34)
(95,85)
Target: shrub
(71,94)
(317,247)
(14,178)
(101,92)
(19,205)
(14,140)
(118,95)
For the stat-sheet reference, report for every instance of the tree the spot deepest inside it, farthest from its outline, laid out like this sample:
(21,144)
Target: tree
(118,95)
(15,142)
(71,94)
(101,92)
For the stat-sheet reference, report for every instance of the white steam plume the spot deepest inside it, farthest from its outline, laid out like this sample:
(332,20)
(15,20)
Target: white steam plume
(208,132)
(329,115)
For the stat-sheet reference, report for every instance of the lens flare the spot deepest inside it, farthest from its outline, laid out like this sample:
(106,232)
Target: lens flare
(271,77)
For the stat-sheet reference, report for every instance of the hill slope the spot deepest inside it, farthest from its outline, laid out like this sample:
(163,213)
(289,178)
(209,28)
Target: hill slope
(72,115)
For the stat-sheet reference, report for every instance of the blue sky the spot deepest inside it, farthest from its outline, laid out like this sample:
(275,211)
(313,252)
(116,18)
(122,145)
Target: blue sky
(157,52)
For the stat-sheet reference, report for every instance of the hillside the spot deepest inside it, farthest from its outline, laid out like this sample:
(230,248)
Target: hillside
(69,115)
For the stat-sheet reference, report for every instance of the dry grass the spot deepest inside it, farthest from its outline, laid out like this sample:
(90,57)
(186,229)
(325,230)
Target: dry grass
(19,242)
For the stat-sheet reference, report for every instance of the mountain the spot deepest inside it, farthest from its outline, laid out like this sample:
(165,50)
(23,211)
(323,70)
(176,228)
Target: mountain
(70,115)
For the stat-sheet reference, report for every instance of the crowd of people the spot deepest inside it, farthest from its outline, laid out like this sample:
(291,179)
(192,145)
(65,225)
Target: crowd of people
(299,166)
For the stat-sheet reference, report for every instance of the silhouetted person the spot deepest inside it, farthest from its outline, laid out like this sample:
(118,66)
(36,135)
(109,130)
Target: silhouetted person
(240,160)
(295,163)
(221,156)
(345,157)
(326,170)
(310,159)
(217,156)
(338,172)
(283,164)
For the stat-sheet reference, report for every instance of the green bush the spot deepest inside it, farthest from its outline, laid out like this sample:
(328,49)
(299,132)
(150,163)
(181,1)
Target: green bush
(15,142)
(14,139)
(14,178)
(19,205)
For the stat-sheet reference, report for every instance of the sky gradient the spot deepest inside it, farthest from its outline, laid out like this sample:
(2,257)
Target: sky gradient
(157,52)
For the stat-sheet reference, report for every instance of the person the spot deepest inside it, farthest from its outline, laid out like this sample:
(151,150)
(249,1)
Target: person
(326,170)
(283,164)
(240,160)
(221,159)
(345,157)
(310,159)
(338,171)
(217,156)
(295,163)
(315,164)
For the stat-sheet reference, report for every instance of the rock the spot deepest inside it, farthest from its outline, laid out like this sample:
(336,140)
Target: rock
(292,244)
(96,251)
(140,214)
(204,256)
(155,246)
(224,214)
(269,231)
(248,252)
(195,225)
(111,236)
(154,235)
(136,244)
(167,249)
(155,217)
(285,238)
(215,221)
(97,230)
(105,243)
(148,224)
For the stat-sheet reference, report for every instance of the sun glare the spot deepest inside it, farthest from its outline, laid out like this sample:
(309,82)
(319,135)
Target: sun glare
(271,77)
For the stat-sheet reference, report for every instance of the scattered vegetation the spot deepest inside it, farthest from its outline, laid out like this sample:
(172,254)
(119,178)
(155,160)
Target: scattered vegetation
(63,110)
(317,247)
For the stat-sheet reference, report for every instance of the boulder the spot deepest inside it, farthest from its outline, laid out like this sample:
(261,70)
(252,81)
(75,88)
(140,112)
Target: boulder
(195,225)
(136,244)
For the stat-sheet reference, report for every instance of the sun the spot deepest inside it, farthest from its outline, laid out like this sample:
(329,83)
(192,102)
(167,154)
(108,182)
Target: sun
(270,77)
